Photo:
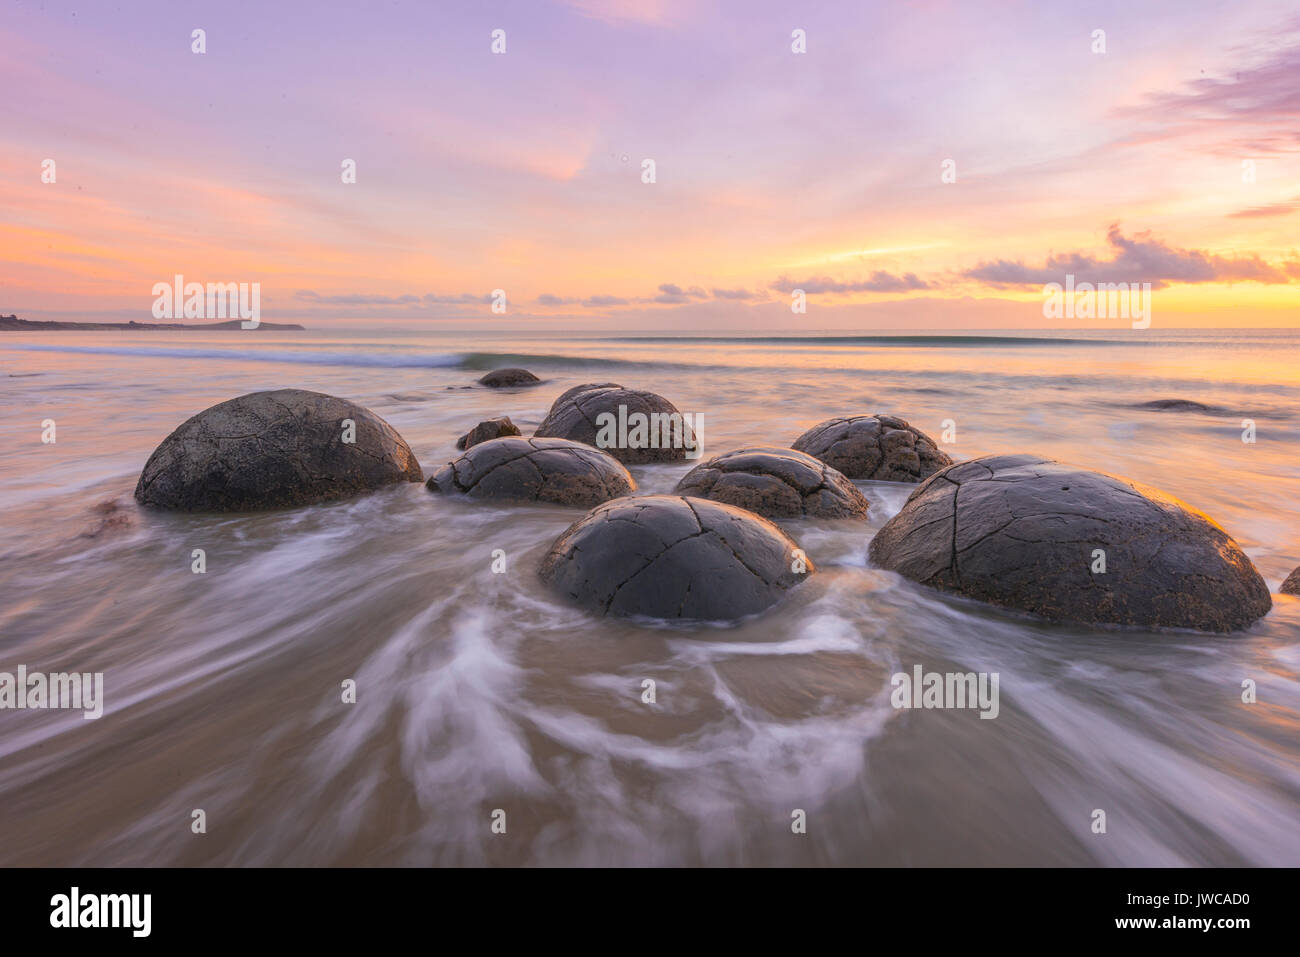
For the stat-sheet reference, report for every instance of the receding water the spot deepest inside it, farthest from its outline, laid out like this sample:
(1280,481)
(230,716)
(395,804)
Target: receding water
(479,692)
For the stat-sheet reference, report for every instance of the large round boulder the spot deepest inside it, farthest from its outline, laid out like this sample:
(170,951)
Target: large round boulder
(776,483)
(508,378)
(635,427)
(567,394)
(665,556)
(1071,544)
(272,450)
(879,447)
(535,470)
(1292,584)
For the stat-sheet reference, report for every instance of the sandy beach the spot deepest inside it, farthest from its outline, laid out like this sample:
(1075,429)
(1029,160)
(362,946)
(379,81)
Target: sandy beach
(480,691)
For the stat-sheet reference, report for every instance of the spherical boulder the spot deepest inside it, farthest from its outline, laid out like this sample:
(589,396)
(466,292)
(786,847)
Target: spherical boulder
(1292,584)
(667,556)
(535,470)
(634,426)
(491,429)
(776,483)
(273,450)
(879,447)
(1071,544)
(508,378)
(584,387)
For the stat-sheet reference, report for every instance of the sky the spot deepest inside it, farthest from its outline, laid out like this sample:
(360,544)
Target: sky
(922,165)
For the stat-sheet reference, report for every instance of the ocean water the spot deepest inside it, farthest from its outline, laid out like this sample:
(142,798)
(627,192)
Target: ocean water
(479,692)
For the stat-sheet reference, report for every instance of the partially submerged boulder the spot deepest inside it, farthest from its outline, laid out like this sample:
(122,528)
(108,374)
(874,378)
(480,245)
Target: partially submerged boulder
(666,556)
(535,470)
(1179,405)
(1292,584)
(508,378)
(1071,544)
(880,447)
(634,426)
(776,483)
(273,450)
(491,429)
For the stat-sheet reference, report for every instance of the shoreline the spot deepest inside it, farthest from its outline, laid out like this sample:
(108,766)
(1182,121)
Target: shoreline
(14,324)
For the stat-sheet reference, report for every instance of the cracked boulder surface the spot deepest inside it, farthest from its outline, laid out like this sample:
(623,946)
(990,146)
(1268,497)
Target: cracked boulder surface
(776,483)
(1022,532)
(535,470)
(1292,584)
(491,429)
(508,378)
(879,447)
(672,557)
(274,450)
(574,416)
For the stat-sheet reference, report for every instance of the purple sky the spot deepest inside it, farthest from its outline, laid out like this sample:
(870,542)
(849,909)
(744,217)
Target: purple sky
(774,170)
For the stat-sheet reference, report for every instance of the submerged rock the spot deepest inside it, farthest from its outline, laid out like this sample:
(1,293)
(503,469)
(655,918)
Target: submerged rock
(491,429)
(535,470)
(1292,584)
(1071,544)
(271,450)
(507,378)
(1178,405)
(879,447)
(111,517)
(776,483)
(666,556)
(634,426)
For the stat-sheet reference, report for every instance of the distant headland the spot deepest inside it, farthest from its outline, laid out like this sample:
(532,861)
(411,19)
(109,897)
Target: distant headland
(14,324)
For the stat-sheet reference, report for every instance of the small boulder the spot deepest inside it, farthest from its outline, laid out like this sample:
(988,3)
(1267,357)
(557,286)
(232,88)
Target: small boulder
(776,483)
(535,470)
(274,450)
(1292,584)
(879,447)
(1071,544)
(508,378)
(665,556)
(634,426)
(491,429)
